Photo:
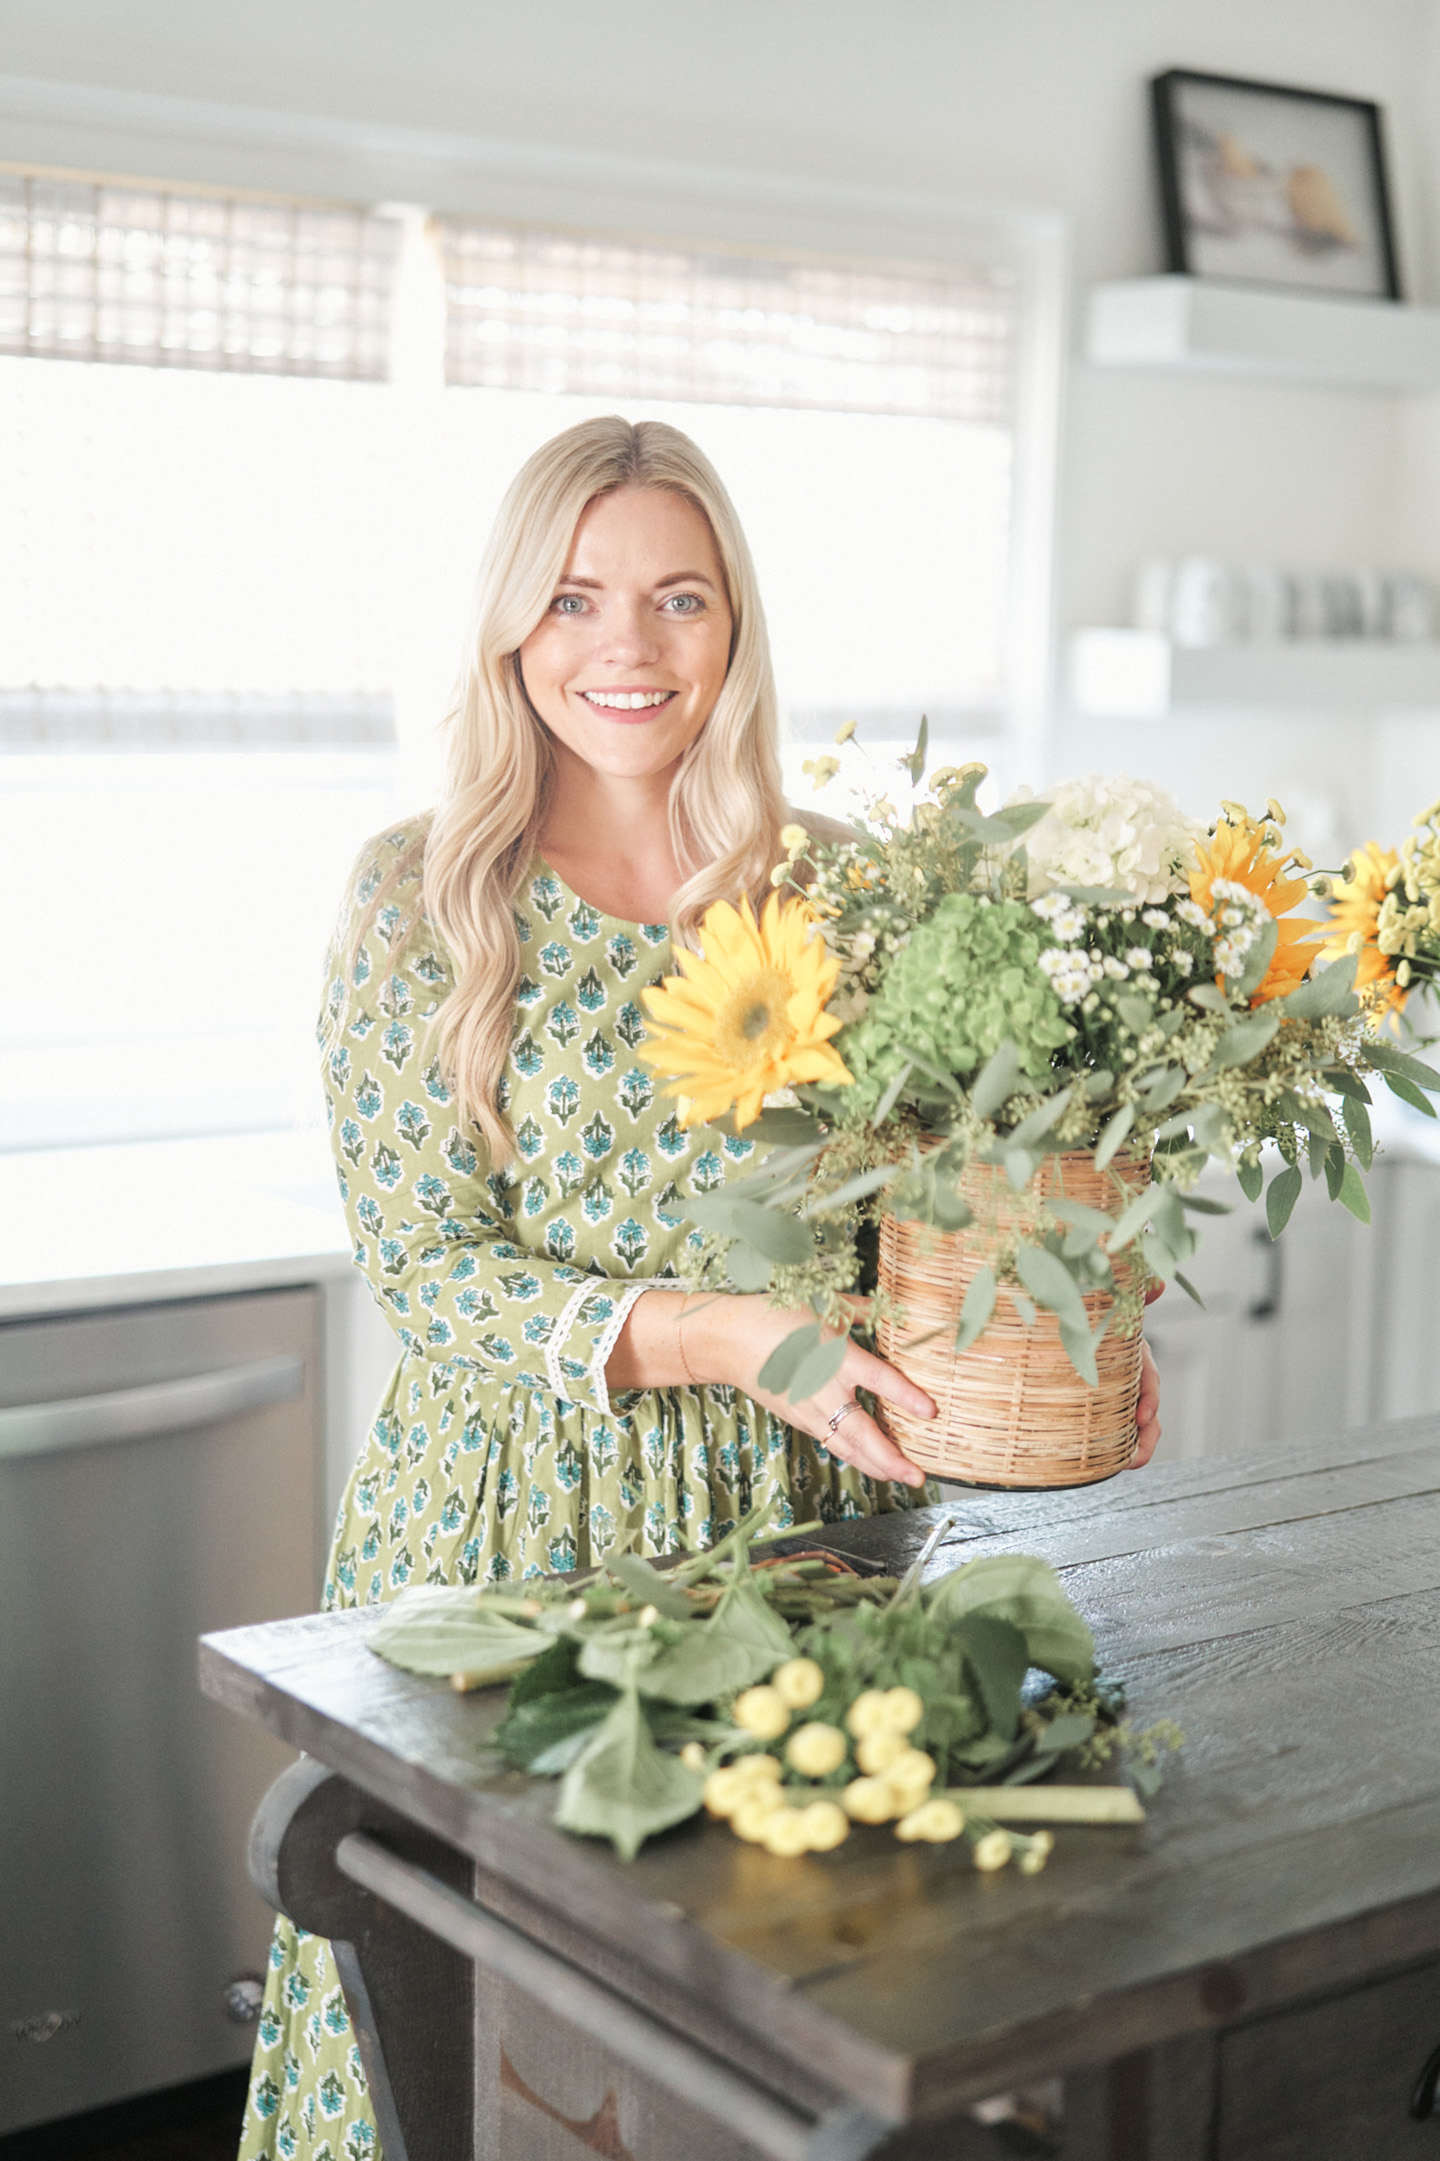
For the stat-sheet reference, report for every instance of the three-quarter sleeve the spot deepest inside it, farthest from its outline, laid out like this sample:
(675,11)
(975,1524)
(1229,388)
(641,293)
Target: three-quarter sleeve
(433,1222)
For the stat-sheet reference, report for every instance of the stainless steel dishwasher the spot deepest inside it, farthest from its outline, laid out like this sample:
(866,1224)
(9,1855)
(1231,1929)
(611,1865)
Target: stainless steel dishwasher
(159,1477)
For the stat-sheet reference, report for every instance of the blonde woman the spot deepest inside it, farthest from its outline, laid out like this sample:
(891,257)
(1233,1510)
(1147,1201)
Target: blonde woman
(513,1176)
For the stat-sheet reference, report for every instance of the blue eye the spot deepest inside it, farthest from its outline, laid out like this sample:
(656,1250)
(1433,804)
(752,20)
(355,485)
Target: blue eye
(685,603)
(567,604)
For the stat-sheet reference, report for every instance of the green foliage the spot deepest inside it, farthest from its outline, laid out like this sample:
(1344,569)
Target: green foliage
(622,1787)
(452,1631)
(1028,1593)
(967,981)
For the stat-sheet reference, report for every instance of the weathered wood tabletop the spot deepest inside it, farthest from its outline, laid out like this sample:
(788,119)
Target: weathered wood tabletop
(1284,1608)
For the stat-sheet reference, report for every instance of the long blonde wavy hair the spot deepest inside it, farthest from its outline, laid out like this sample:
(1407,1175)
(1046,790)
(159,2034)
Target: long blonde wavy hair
(726,806)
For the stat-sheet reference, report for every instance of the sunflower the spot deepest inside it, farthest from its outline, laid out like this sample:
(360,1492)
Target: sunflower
(747,1013)
(1355,913)
(1243,850)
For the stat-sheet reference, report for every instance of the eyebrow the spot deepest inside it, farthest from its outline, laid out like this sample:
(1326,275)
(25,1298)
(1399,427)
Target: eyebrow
(676,577)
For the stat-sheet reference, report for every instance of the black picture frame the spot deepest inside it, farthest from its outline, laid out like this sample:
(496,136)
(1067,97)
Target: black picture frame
(1231,214)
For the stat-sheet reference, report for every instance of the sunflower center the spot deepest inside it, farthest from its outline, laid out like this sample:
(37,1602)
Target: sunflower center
(752,1024)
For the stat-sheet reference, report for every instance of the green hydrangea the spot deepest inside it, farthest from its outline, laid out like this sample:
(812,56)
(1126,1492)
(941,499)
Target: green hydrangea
(968,978)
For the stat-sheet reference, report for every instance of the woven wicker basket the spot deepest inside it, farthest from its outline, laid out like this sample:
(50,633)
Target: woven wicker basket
(1012,1409)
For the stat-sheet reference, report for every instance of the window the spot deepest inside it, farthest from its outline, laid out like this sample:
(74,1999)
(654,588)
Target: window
(238,564)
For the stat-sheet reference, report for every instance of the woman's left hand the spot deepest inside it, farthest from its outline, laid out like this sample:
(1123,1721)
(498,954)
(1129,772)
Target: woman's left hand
(1147,1411)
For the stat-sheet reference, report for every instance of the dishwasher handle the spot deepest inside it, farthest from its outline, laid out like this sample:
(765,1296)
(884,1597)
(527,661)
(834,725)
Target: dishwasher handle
(134,1414)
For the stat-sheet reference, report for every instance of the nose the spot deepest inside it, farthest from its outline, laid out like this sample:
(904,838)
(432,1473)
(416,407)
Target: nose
(630,636)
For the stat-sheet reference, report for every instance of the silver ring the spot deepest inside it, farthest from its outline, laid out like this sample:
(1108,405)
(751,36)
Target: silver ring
(843,1412)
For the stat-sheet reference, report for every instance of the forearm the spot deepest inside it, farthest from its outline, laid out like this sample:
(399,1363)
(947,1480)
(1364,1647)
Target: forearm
(676,1339)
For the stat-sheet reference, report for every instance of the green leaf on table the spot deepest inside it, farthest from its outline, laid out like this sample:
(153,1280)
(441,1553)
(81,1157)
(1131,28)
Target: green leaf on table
(999,1658)
(648,1584)
(977,1308)
(1245,1040)
(441,1631)
(622,1787)
(817,1368)
(778,1370)
(1250,1173)
(1018,1588)
(557,1667)
(1331,991)
(1281,1198)
(996,1081)
(1357,1126)
(1113,1136)
(709,1661)
(531,1729)
(746,1615)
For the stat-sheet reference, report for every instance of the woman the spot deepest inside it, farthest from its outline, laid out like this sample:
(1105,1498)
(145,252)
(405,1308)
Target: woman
(514,1181)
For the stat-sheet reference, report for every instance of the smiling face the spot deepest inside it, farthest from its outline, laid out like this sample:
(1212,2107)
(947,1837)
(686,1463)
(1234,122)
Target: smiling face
(626,664)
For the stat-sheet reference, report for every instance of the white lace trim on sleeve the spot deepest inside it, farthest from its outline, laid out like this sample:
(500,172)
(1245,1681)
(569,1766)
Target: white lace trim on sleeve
(609,1337)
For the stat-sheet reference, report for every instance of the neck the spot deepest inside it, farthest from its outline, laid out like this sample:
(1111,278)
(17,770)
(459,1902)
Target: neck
(608,836)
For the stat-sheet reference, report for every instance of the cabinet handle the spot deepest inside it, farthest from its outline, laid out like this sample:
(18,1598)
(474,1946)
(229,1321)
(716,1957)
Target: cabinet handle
(134,1414)
(680,2065)
(1267,1306)
(1422,2100)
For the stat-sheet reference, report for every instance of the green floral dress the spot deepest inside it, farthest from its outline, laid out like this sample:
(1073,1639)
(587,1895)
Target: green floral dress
(497,1451)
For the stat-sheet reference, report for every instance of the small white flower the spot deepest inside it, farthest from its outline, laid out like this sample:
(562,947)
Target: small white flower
(1071,924)
(1049,906)
(1115,969)
(1157,918)
(1138,957)
(1190,911)
(1182,960)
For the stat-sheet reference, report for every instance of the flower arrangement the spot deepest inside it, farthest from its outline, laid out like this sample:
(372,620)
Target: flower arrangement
(795,1699)
(1090,977)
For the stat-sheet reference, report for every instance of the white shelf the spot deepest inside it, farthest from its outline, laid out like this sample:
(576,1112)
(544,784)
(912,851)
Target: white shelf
(1190,325)
(1140,675)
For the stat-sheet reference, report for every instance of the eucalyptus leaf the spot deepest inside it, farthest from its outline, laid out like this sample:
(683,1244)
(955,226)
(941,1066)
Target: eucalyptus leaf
(1250,1175)
(1163,1090)
(891,1096)
(1099,896)
(747,1269)
(622,1787)
(996,1081)
(1210,996)
(1401,1066)
(977,1308)
(1051,1284)
(1246,1039)
(1280,1200)
(786,1124)
(1081,1216)
(1201,1206)
(1409,1093)
(441,1631)
(1328,992)
(1334,1166)
(817,1369)
(1079,1349)
(915,763)
(1024,1308)
(779,1368)
(854,1189)
(1189,1289)
(1040,1120)
(1018,1588)
(1357,1125)
(1113,1136)
(1341,1081)
(1137,1013)
(1353,1195)
(783,1239)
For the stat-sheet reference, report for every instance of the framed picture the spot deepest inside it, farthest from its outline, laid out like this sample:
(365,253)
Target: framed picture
(1266,185)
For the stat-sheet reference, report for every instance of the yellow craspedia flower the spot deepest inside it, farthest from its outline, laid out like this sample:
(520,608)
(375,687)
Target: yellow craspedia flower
(1241,850)
(746,1015)
(1355,904)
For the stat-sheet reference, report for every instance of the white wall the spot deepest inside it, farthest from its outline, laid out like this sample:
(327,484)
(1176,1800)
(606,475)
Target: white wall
(1033,102)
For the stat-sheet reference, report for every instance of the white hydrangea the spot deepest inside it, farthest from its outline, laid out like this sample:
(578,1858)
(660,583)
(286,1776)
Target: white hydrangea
(1111,831)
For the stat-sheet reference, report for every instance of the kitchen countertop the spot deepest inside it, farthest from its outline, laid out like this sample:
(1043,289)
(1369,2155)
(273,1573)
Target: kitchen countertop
(123,1225)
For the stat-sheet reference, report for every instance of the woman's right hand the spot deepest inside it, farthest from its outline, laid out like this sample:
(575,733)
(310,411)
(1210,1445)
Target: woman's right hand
(728,1337)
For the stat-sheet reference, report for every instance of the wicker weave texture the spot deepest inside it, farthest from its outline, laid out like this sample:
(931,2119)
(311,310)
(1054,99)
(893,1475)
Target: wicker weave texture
(1012,1409)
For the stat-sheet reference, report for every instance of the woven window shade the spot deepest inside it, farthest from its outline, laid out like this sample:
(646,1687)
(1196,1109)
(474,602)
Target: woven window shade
(529,310)
(95,271)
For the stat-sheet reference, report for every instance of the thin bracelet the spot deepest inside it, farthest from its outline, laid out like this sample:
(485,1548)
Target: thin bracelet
(680,1342)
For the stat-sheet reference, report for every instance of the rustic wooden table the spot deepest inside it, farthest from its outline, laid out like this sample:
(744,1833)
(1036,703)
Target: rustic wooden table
(1253,1975)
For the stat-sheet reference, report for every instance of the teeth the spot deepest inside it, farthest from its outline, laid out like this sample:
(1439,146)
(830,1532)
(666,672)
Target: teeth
(625,701)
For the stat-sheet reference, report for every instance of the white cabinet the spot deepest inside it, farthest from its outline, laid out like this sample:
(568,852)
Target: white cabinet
(1336,1324)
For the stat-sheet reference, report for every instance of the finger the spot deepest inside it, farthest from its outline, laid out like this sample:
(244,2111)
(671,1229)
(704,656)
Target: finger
(862,1370)
(1153,1290)
(1145,1444)
(860,1442)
